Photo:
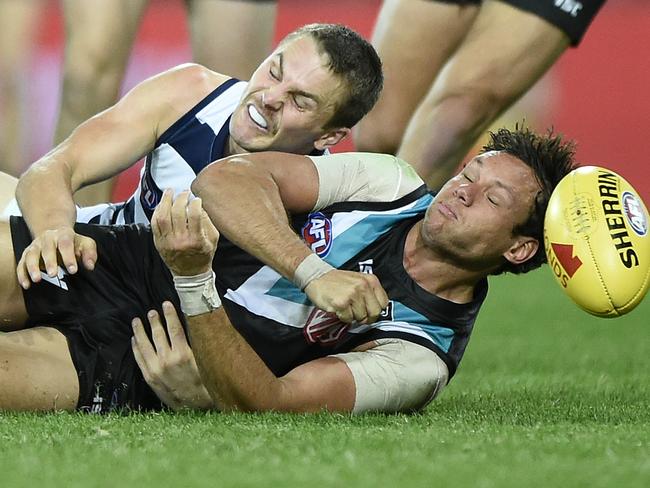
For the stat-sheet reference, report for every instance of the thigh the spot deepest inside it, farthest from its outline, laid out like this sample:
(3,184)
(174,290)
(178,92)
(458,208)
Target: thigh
(504,53)
(231,36)
(37,371)
(101,30)
(19,21)
(414,38)
(12,305)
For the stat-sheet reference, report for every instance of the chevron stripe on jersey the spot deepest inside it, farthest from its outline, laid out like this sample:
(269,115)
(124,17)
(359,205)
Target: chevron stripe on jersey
(269,294)
(267,308)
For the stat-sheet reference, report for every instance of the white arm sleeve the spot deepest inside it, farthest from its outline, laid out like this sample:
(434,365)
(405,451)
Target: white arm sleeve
(365,177)
(395,376)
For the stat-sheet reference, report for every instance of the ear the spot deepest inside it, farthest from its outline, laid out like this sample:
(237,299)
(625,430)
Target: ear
(522,250)
(331,138)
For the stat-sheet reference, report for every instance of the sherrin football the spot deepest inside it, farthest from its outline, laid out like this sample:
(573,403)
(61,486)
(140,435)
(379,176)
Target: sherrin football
(597,241)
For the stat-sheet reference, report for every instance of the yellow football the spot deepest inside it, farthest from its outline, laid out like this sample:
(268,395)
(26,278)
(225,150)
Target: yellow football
(597,241)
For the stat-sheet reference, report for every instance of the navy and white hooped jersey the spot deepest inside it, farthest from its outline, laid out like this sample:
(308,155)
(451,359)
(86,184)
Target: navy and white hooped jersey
(284,327)
(181,152)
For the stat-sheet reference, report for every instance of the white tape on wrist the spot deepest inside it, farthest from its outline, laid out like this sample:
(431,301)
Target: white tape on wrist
(311,268)
(198,294)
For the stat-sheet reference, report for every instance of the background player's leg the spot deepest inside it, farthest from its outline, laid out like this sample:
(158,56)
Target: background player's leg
(414,38)
(18,28)
(505,52)
(37,372)
(231,36)
(98,40)
(12,306)
(7,189)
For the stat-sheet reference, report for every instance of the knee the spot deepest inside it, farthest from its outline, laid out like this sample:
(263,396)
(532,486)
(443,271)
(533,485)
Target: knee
(92,75)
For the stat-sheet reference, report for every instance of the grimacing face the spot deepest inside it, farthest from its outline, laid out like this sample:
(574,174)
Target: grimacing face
(289,99)
(473,216)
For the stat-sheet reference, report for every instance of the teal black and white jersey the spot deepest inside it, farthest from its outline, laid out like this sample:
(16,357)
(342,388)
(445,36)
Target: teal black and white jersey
(286,330)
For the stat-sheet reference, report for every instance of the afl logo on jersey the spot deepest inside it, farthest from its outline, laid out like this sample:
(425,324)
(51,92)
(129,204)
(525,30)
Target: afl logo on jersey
(149,192)
(317,233)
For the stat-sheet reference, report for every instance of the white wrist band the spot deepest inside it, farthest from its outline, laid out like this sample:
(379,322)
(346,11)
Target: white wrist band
(198,294)
(311,268)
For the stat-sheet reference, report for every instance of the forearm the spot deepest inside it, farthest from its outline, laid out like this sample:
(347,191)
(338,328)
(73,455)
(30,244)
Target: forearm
(246,206)
(234,375)
(48,176)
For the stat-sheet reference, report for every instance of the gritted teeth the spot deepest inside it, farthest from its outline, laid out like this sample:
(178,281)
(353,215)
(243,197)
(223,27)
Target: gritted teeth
(257,117)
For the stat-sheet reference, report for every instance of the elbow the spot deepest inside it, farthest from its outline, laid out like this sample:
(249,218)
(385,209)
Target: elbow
(221,174)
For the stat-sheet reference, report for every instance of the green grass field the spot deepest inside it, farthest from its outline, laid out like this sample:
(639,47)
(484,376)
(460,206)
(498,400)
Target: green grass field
(546,396)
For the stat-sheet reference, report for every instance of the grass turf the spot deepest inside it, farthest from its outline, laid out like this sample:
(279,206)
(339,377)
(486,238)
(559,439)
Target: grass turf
(546,396)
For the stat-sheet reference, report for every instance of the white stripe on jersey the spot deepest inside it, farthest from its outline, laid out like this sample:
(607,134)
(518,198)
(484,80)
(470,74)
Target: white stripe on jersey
(215,115)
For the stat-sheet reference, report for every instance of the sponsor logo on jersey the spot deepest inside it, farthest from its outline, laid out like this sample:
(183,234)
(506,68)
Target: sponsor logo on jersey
(317,233)
(56,280)
(98,400)
(324,328)
(150,194)
(634,213)
(366,266)
(571,7)
(387,313)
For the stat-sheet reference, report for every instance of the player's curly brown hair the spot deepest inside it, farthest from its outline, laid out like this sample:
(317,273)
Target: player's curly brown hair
(551,158)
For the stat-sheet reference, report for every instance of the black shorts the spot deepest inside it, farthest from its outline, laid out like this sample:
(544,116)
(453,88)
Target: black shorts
(93,310)
(571,16)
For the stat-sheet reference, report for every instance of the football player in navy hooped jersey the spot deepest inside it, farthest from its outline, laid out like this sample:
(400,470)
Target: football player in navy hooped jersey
(303,98)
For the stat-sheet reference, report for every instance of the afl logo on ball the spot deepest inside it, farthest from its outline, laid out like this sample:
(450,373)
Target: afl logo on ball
(317,233)
(634,213)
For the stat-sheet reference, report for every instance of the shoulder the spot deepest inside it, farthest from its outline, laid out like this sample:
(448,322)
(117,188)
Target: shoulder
(190,83)
(181,88)
(363,177)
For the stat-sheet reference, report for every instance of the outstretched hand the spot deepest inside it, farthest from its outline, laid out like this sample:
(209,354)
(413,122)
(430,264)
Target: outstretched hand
(352,296)
(168,365)
(184,235)
(54,247)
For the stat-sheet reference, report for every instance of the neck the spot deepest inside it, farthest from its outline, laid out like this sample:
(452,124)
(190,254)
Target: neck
(233,148)
(438,273)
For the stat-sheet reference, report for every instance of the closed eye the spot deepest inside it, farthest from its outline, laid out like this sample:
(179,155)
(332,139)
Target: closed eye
(298,103)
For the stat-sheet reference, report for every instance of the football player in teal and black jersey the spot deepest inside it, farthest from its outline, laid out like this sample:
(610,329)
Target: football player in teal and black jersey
(338,283)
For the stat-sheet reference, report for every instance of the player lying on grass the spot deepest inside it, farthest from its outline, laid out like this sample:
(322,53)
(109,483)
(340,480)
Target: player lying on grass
(345,285)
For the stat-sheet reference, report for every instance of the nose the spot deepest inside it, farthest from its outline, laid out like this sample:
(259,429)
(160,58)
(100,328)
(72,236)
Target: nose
(272,98)
(466,193)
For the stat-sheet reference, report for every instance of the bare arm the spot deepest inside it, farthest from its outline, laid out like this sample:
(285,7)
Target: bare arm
(99,149)
(248,197)
(233,373)
(238,379)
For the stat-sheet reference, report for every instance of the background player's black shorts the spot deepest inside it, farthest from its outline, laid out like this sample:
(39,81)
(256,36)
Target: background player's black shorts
(94,311)
(571,16)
